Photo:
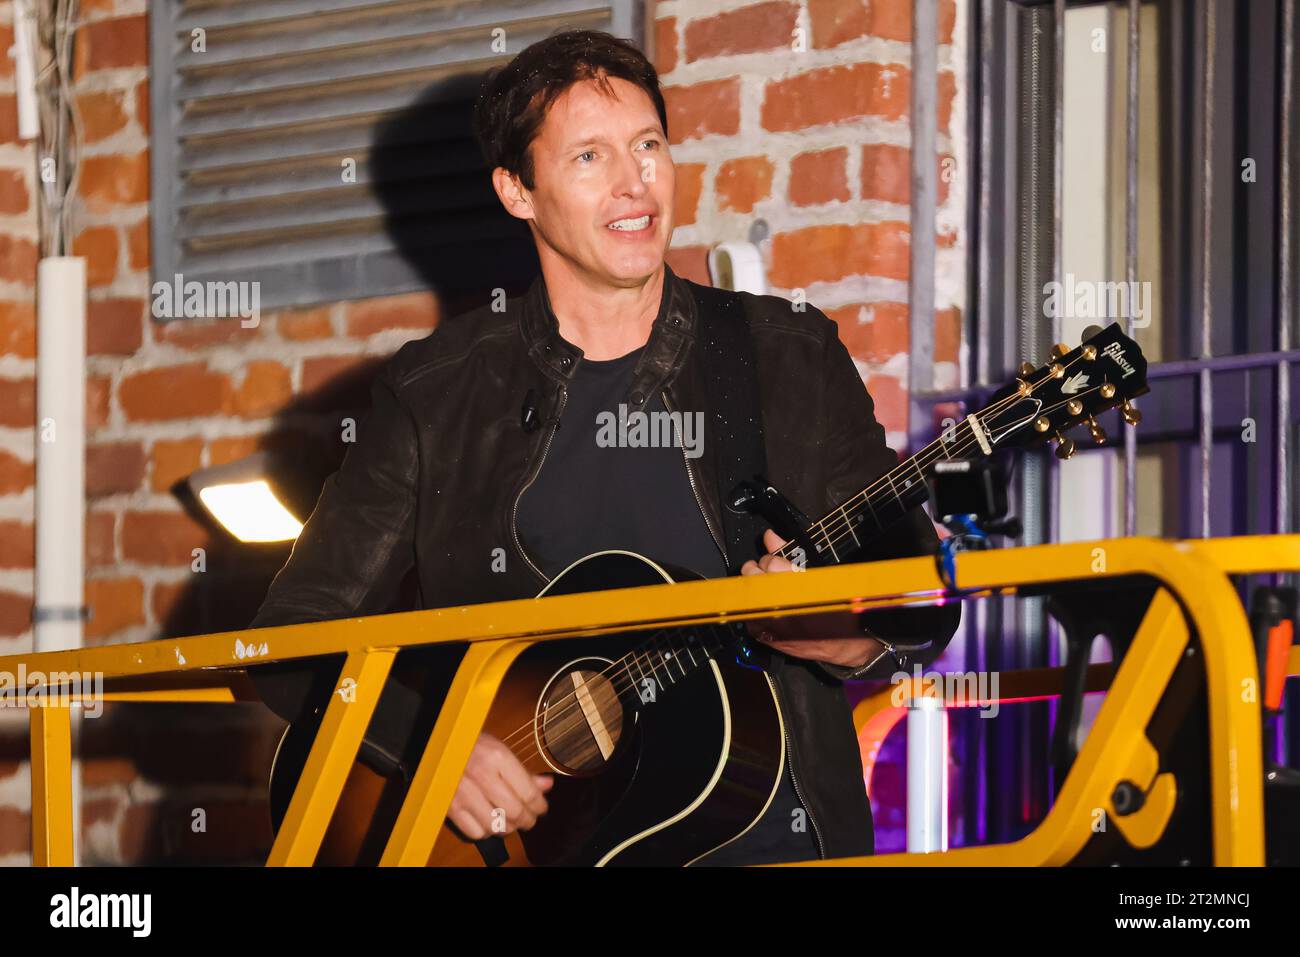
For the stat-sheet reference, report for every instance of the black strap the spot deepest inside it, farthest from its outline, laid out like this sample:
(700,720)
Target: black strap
(493,850)
(731,387)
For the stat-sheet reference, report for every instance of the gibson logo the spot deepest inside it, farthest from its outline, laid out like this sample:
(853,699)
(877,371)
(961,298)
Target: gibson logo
(1116,353)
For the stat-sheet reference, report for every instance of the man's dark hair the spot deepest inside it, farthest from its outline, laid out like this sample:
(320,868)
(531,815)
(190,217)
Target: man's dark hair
(515,98)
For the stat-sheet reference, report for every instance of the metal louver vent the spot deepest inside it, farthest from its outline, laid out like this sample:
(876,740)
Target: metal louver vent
(252,137)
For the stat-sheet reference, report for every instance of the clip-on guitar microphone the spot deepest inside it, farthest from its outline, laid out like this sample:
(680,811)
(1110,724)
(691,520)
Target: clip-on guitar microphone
(971,502)
(761,498)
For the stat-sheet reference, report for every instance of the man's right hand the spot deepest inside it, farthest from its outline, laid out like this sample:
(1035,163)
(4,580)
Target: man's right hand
(497,794)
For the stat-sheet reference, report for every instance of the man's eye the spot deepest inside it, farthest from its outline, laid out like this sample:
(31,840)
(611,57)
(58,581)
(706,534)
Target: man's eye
(587,153)
(652,142)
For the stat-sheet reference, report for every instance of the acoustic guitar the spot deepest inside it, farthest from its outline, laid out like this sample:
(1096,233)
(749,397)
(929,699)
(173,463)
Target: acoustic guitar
(665,747)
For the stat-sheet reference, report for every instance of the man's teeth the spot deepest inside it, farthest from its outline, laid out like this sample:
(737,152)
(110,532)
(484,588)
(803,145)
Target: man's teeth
(631,224)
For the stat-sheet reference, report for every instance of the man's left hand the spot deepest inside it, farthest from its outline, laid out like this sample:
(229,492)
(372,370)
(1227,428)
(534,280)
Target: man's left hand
(804,636)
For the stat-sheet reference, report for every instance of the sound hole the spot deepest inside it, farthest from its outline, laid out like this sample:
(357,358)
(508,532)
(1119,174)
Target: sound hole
(580,718)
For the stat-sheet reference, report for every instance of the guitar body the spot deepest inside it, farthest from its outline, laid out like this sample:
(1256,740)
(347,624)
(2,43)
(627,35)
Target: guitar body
(663,783)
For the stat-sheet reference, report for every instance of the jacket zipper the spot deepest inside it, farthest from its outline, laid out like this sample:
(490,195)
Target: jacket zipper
(514,511)
(817,836)
(690,476)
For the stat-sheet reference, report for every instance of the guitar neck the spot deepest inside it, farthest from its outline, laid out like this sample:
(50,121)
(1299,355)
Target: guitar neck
(860,518)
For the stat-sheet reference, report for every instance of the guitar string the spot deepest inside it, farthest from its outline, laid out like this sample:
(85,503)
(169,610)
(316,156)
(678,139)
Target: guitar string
(568,707)
(561,728)
(845,522)
(565,715)
(637,655)
(558,727)
(568,717)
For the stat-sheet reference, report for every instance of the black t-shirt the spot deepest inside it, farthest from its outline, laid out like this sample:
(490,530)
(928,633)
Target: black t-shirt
(604,485)
(597,491)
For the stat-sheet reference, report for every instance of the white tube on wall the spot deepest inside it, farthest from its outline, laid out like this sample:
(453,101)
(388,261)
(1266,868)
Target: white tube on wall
(25,45)
(61,472)
(60,450)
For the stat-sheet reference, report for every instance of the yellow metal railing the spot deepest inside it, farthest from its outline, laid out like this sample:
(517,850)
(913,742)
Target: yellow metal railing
(1196,594)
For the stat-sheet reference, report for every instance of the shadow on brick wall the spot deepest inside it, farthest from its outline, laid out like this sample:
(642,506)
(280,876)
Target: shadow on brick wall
(440,210)
(180,784)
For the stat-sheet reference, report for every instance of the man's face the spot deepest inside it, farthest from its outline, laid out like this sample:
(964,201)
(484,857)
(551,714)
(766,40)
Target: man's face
(604,182)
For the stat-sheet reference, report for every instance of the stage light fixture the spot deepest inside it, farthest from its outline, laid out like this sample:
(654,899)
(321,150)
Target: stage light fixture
(249,498)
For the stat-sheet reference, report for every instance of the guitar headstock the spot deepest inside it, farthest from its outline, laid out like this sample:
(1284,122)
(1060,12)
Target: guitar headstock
(1105,371)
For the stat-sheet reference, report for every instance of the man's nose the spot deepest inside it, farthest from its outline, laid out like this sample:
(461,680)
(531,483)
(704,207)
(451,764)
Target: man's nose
(631,176)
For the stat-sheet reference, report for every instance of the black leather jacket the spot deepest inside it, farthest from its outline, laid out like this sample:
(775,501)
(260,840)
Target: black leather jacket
(432,483)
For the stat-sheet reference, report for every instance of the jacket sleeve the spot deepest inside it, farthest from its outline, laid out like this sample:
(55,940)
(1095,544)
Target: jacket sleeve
(856,454)
(352,553)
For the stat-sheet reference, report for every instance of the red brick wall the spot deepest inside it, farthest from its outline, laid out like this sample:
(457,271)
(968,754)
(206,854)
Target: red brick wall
(796,113)
(814,141)
(17,414)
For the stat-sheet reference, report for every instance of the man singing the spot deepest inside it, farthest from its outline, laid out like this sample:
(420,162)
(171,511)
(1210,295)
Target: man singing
(447,473)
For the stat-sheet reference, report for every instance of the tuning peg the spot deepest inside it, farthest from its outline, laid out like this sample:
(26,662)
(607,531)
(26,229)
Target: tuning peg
(1064,447)
(1095,429)
(1074,407)
(1058,351)
(1130,413)
(1089,353)
(1042,423)
(1026,368)
(1107,390)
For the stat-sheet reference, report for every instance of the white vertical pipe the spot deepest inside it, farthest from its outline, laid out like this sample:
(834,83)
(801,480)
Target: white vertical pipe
(61,468)
(25,45)
(927,774)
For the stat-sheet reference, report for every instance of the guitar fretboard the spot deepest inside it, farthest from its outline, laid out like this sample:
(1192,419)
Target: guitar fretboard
(855,522)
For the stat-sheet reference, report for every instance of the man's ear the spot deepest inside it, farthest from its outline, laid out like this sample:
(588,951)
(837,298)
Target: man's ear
(512,194)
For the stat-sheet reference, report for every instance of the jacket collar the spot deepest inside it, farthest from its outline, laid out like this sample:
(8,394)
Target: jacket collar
(671,336)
